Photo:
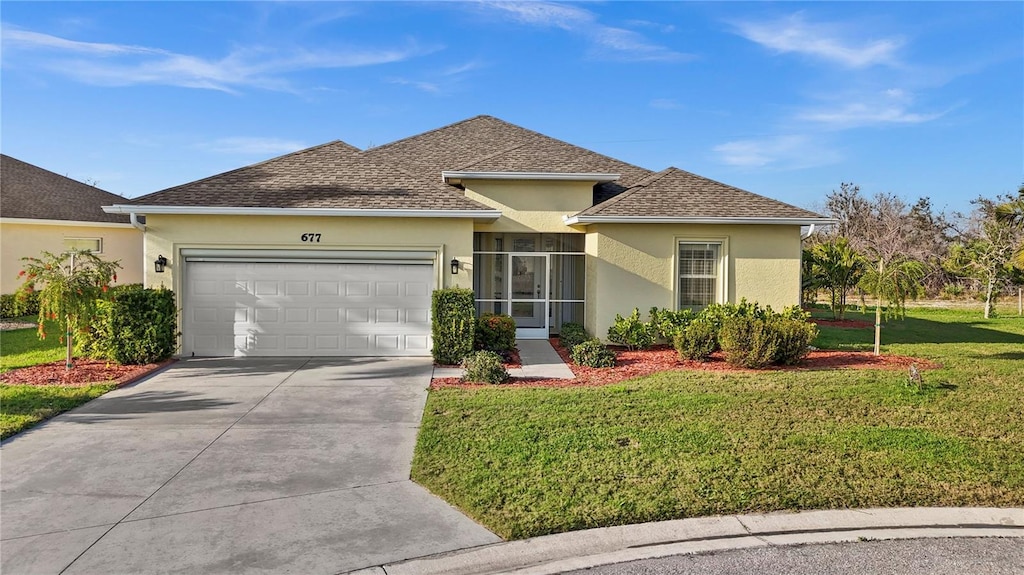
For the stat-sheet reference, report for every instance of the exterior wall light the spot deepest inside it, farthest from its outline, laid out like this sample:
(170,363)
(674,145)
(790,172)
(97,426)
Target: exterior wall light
(455,266)
(160,264)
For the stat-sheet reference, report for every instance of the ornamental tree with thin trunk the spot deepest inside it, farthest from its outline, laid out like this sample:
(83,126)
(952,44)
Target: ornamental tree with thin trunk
(71,283)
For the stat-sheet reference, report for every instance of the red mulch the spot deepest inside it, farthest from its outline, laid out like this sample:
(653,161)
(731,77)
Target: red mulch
(845,323)
(85,372)
(513,362)
(630,364)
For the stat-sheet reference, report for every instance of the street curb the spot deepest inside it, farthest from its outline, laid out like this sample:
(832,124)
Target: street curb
(607,545)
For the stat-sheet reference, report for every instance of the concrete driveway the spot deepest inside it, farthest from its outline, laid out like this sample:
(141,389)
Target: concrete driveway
(283,465)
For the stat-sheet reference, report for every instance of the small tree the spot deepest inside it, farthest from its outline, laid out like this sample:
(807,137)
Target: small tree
(837,267)
(72,282)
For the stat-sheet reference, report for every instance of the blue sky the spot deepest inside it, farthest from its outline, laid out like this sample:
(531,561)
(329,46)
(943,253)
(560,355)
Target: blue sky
(786,100)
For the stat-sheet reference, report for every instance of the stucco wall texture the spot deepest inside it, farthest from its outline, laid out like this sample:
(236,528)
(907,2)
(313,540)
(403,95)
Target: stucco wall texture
(634,265)
(123,244)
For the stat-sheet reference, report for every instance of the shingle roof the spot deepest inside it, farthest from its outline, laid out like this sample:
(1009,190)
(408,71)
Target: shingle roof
(486,143)
(332,175)
(28,191)
(675,193)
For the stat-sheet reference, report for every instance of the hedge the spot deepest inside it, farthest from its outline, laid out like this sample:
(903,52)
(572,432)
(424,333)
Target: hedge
(453,324)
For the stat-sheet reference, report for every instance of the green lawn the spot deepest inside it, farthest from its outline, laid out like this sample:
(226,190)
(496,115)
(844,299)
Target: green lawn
(526,462)
(22,347)
(22,406)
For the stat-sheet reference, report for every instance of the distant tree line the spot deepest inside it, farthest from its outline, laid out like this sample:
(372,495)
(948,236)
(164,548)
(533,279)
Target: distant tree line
(887,250)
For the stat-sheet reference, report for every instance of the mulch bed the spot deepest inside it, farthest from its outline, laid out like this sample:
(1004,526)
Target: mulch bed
(86,372)
(513,362)
(630,364)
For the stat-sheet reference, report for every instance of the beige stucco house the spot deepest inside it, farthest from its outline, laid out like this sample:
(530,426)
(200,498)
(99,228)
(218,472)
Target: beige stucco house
(43,211)
(335,250)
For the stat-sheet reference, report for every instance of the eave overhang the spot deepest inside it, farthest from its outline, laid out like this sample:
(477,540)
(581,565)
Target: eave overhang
(329,212)
(587,220)
(457,177)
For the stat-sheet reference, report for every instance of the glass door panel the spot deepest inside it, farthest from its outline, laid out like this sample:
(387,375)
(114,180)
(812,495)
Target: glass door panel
(528,288)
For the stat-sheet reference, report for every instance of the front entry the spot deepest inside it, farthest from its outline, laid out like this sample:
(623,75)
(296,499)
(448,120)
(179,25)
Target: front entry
(537,279)
(528,288)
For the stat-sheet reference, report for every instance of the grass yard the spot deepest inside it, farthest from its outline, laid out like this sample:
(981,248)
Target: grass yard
(531,461)
(22,406)
(22,347)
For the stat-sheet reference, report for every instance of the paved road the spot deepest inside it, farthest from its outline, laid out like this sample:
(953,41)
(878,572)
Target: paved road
(911,556)
(292,465)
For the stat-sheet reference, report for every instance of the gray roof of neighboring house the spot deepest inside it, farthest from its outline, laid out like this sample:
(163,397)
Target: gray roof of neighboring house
(675,193)
(28,191)
(332,175)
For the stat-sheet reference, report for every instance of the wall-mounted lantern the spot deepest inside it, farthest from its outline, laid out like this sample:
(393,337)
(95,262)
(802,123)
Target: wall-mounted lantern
(455,266)
(160,264)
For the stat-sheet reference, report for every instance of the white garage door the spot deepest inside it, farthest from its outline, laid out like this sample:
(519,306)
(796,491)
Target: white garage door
(299,309)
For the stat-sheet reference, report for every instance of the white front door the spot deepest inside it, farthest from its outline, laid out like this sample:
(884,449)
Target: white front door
(528,294)
(306,309)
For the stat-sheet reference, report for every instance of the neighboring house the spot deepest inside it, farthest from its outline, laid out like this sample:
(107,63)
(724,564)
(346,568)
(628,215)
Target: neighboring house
(335,250)
(43,211)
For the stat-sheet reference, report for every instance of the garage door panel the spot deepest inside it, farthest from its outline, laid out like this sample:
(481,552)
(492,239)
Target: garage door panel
(235,308)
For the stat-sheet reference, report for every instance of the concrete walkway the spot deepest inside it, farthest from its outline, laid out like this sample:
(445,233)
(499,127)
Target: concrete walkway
(276,465)
(539,360)
(594,547)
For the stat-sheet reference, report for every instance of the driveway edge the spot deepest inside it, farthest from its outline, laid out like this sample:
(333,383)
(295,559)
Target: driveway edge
(593,547)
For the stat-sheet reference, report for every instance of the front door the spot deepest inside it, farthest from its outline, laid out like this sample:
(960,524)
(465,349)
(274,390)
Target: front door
(528,294)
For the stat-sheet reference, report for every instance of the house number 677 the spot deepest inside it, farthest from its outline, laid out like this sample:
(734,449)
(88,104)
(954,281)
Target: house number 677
(311,238)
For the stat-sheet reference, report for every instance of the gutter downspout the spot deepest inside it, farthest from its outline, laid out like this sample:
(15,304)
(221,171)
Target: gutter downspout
(134,220)
(810,231)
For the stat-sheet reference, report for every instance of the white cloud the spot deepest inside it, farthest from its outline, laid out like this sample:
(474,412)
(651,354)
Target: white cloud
(419,85)
(891,106)
(665,104)
(784,152)
(825,41)
(607,42)
(618,43)
(860,114)
(125,65)
(545,14)
(252,146)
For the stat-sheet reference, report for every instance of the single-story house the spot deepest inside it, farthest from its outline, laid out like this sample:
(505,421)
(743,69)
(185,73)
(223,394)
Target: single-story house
(43,211)
(334,250)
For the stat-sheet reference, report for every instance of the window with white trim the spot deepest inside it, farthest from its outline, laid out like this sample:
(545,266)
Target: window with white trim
(699,265)
(94,245)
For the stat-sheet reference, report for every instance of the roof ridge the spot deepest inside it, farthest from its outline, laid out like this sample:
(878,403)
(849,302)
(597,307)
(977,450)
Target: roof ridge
(586,150)
(246,167)
(68,178)
(438,129)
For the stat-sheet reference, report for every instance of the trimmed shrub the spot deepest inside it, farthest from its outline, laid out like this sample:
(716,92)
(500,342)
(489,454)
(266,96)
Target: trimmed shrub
(572,334)
(454,324)
(19,304)
(748,342)
(593,353)
(495,332)
(136,326)
(696,341)
(631,331)
(484,367)
(666,323)
(794,340)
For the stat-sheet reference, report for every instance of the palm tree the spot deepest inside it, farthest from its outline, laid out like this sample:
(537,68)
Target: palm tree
(1012,213)
(837,267)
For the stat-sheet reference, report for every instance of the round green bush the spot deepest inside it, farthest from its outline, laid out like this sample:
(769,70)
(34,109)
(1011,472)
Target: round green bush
(484,367)
(697,341)
(495,332)
(593,353)
(572,334)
